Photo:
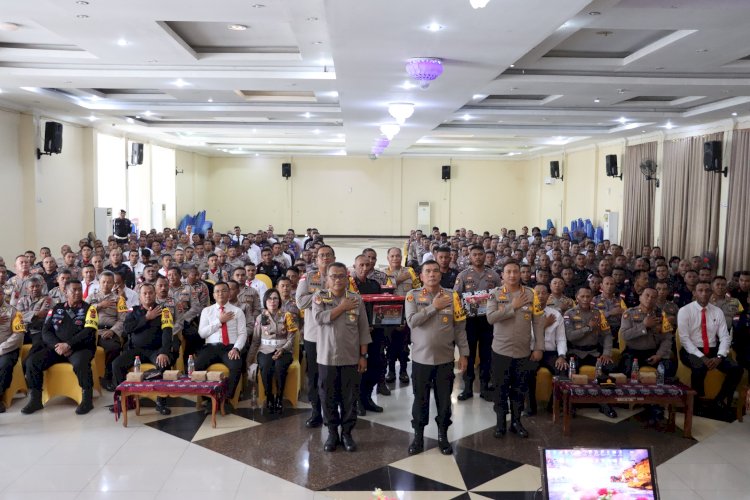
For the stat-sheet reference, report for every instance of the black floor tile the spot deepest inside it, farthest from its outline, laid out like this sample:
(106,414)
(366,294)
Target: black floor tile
(181,426)
(477,468)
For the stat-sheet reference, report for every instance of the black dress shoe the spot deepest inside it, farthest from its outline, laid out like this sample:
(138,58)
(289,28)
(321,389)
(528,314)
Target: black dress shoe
(608,410)
(383,389)
(332,442)
(517,427)
(163,409)
(369,405)
(349,444)
(359,407)
(390,377)
(107,384)
(314,421)
(403,377)
(465,395)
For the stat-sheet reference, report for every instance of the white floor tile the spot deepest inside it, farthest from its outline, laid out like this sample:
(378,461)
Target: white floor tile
(116,495)
(203,470)
(256,484)
(667,479)
(54,478)
(524,478)
(709,476)
(38,495)
(131,477)
(434,465)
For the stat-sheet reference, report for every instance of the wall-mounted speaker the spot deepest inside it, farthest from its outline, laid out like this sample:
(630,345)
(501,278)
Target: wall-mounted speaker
(136,153)
(712,156)
(286,170)
(610,162)
(554,169)
(446,172)
(53,137)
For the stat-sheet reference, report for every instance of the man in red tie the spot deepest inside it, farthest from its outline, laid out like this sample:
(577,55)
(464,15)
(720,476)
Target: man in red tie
(224,328)
(705,345)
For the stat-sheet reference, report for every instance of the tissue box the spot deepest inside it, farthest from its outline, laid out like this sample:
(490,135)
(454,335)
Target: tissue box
(198,376)
(648,378)
(620,378)
(134,377)
(171,374)
(580,379)
(215,376)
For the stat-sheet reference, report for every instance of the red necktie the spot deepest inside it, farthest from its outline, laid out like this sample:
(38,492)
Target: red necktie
(704,331)
(85,290)
(224,330)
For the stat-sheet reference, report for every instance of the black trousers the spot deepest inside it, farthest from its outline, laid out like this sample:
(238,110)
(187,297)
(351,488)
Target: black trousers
(311,353)
(699,371)
(375,364)
(510,377)
(7,362)
(397,347)
(628,355)
(112,348)
(479,334)
(193,341)
(41,360)
(219,353)
(336,389)
(440,378)
(271,370)
(125,360)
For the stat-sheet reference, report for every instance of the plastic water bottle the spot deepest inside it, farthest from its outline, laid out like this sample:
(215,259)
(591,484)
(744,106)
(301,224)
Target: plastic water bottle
(137,365)
(635,372)
(191,365)
(571,367)
(660,374)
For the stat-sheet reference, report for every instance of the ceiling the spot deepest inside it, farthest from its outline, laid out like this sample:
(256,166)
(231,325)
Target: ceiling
(315,77)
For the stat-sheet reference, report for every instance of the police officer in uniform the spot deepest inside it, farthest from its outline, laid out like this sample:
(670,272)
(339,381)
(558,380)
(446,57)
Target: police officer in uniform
(647,334)
(187,313)
(309,284)
(121,228)
(69,336)
(342,354)
(612,305)
(589,338)
(473,285)
(148,332)
(402,279)
(12,330)
(730,306)
(515,313)
(112,310)
(34,307)
(438,324)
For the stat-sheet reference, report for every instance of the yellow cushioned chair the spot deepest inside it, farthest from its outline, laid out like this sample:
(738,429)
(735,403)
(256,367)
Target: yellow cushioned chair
(714,378)
(543,385)
(18,382)
(293,378)
(221,367)
(60,380)
(266,280)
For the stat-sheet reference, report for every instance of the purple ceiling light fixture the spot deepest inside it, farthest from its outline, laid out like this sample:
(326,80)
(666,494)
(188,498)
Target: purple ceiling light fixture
(424,69)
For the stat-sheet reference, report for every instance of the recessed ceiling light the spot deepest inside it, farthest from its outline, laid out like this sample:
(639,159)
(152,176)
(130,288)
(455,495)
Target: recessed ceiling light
(434,27)
(257,6)
(9,26)
(512,65)
(669,126)
(138,116)
(94,97)
(129,120)
(478,96)
(257,154)
(237,27)
(466,117)
(734,113)
(312,18)
(623,120)
(499,121)
(596,99)
(180,83)
(595,13)
(316,131)
(255,130)
(307,115)
(82,16)
(92,118)
(210,99)
(122,42)
(643,131)
(147,113)
(407,85)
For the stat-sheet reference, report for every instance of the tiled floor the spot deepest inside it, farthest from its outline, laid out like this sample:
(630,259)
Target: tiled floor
(55,454)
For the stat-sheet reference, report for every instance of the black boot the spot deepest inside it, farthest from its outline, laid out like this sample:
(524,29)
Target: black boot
(161,406)
(87,403)
(443,443)
(391,375)
(359,407)
(316,419)
(484,391)
(383,389)
(403,377)
(35,402)
(279,404)
(369,405)
(501,428)
(532,408)
(349,444)
(516,426)
(270,406)
(417,444)
(333,439)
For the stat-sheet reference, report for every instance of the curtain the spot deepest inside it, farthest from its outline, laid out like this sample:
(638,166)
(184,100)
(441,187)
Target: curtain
(737,251)
(638,198)
(690,201)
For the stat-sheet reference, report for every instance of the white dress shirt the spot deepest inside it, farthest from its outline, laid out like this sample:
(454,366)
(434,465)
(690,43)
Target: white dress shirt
(131,298)
(210,326)
(689,328)
(261,287)
(554,335)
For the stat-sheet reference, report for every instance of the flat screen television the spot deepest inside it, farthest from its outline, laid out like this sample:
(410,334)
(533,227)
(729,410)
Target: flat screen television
(598,473)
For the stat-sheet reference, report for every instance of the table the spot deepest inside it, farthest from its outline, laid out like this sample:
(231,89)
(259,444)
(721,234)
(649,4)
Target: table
(670,395)
(217,391)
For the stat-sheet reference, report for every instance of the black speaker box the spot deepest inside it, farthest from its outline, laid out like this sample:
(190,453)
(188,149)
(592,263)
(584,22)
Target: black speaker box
(554,169)
(611,165)
(53,137)
(446,172)
(712,156)
(136,153)
(286,170)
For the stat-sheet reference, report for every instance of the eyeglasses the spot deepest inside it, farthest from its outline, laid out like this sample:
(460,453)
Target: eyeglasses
(337,277)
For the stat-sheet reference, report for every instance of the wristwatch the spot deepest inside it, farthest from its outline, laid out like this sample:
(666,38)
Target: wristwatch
(720,356)
(363,355)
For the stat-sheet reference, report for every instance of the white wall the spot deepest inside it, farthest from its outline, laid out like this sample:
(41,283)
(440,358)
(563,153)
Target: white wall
(111,172)
(13,223)
(162,186)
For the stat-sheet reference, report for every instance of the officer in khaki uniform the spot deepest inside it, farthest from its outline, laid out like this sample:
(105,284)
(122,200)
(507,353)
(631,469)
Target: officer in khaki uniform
(730,306)
(664,301)
(438,324)
(247,295)
(557,299)
(515,313)
(648,335)
(589,338)
(112,310)
(187,312)
(309,284)
(612,305)
(473,285)
(34,307)
(12,330)
(343,337)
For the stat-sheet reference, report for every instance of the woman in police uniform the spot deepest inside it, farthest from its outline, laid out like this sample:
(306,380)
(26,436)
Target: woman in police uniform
(273,341)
